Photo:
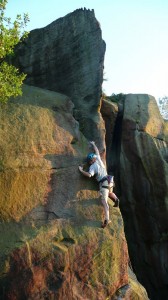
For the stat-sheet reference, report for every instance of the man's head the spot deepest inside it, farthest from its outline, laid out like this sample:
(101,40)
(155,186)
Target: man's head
(91,158)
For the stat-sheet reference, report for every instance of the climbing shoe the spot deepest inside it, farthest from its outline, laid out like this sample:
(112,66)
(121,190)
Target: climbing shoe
(105,223)
(116,204)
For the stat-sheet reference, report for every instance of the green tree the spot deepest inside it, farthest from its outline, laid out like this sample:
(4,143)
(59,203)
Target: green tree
(11,33)
(163,107)
(115,97)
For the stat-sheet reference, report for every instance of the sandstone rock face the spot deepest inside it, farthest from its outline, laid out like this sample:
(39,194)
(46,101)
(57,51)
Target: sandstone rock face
(67,56)
(52,244)
(144,189)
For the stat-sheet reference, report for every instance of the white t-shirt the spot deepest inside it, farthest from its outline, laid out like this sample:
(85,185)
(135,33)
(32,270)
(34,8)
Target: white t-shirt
(98,169)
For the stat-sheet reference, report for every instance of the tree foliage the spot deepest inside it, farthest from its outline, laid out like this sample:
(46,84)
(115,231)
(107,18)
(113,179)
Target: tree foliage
(163,106)
(11,33)
(115,97)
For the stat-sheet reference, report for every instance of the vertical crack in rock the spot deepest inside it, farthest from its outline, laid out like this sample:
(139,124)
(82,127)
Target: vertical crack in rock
(113,115)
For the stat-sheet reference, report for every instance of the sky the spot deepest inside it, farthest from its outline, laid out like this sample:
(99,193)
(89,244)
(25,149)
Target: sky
(135,33)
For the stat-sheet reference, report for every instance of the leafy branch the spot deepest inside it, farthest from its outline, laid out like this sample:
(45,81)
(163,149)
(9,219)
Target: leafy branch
(11,33)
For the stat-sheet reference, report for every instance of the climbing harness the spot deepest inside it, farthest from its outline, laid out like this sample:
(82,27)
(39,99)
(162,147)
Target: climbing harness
(109,178)
(105,187)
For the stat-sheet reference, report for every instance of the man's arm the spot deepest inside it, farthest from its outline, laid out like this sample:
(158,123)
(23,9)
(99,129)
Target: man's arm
(95,148)
(87,174)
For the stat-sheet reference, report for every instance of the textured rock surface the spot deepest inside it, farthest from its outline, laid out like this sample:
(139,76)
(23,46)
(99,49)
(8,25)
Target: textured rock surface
(144,188)
(67,56)
(52,246)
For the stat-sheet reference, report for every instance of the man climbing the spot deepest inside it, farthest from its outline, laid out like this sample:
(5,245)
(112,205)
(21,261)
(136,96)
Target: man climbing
(98,169)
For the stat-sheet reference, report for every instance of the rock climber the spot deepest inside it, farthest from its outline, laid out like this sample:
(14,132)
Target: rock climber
(98,169)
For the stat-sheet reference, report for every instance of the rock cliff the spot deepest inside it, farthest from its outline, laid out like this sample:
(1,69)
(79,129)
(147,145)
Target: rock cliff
(67,56)
(51,240)
(143,184)
(52,244)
